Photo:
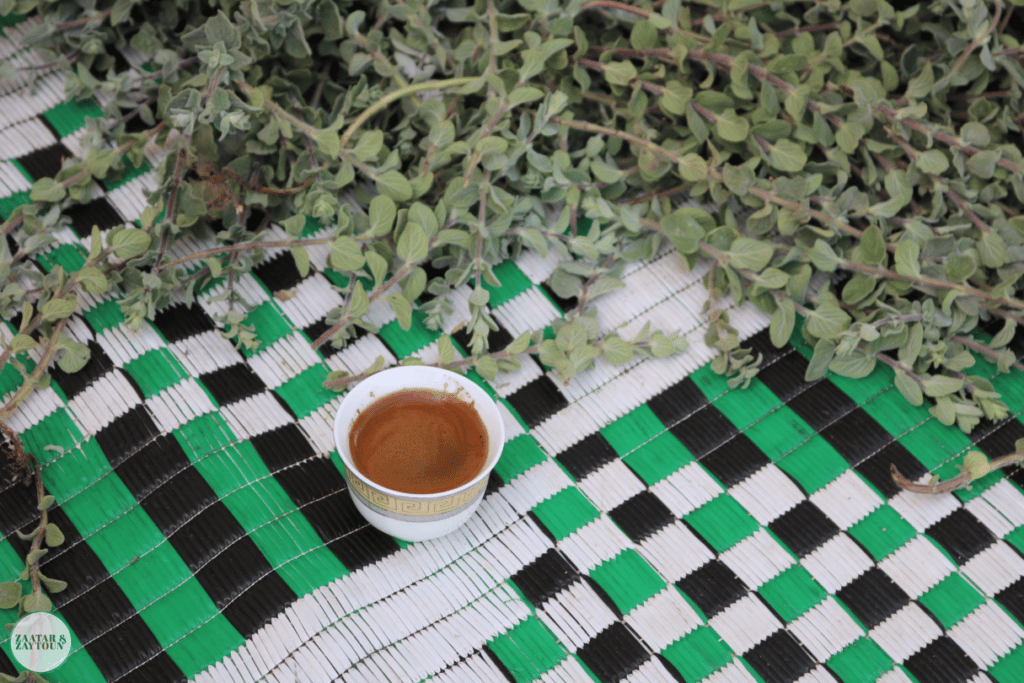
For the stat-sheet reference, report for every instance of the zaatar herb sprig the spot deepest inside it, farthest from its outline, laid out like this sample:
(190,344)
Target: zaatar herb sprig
(875,147)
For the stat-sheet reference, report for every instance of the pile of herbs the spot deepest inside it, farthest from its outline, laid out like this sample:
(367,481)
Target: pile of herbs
(864,158)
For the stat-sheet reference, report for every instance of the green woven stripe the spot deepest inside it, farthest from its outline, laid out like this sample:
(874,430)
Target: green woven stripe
(105,316)
(56,429)
(186,608)
(70,256)
(527,650)
(628,580)
(407,342)
(1009,669)
(814,464)
(698,654)
(951,600)
(513,283)
(272,325)
(863,661)
(743,408)
(658,458)
(155,371)
(792,593)
(107,499)
(722,522)
(517,456)
(882,532)
(779,433)
(565,512)
(10,203)
(633,429)
(68,117)
(305,393)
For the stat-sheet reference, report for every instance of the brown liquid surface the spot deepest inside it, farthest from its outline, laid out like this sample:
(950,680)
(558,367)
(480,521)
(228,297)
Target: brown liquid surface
(419,441)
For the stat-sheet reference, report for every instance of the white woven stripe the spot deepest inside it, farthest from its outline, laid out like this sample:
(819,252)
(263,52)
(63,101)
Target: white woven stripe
(318,427)
(847,499)
(528,311)
(923,511)
(767,494)
(825,629)
(255,415)
(1000,508)
(687,489)
(674,551)
(610,486)
(101,402)
(178,404)
(757,558)
(283,360)
(987,634)
(994,568)
(12,179)
(314,298)
(536,267)
(538,483)
(663,619)
(836,563)
(744,624)
(128,199)
(24,137)
(34,409)
(594,543)
(905,632)
(651,671)
(734,672)
(576,614)
(917,566)
(357,356)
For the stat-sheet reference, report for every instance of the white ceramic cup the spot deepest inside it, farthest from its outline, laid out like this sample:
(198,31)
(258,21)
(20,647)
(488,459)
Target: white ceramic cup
(411,516)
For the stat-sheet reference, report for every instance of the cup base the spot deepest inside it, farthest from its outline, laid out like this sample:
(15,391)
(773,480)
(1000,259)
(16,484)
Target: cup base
(415,531)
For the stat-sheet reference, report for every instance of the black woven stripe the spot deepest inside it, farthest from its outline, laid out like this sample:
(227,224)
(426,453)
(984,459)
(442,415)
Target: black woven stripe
(232,383)
(251,610)
(804,528)
(45,162)
(1012,598)
(127,434)
(97,610)
(7,666)
(761,343)
(537,401)
(72,384)
(208,535)
(97,212)
(363,547)
(314,331)
(160,668)
(779,658)
(496,339)
(873,597)
(586,456)
(180,322)
(704,431)
(544,577)
(613,654)
(1002,439)
(961,534)
(856,436)
(282,447)
(785,377)
(641,516)
(155,464)
(712,587)
(821,404)
(735,460)
(678,402)
(877,468)
(317,488)
(941,661)
(279,272)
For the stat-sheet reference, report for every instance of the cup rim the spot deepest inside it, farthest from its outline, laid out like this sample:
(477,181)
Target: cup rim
(477,394)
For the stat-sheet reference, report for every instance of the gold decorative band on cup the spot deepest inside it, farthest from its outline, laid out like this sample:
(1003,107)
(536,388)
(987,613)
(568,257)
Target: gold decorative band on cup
(414,508)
